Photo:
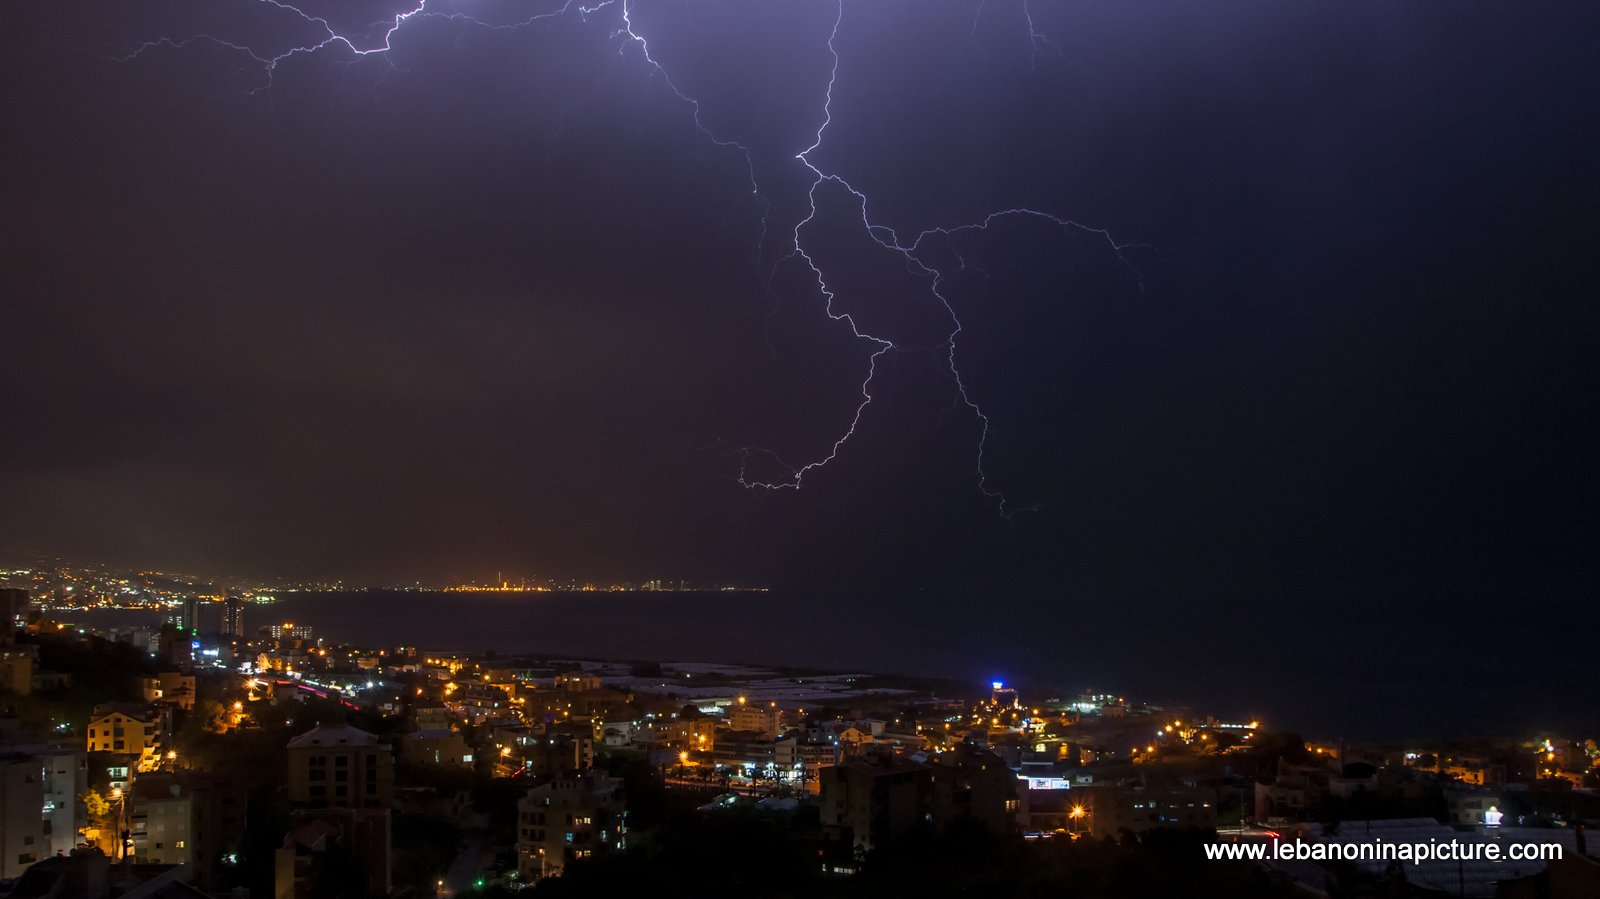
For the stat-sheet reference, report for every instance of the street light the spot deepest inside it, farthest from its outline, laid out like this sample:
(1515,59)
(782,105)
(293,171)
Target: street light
(1077,815)
(124,836)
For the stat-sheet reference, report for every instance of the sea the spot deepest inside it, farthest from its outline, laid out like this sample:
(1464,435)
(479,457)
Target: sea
(1361,685)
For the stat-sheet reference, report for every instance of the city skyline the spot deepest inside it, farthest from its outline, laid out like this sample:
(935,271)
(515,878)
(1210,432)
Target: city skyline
(53,575)
(279,760)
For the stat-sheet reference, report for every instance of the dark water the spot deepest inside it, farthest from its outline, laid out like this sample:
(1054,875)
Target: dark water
(1337,676)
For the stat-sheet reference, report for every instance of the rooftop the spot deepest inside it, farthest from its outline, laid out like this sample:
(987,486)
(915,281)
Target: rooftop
(333,735)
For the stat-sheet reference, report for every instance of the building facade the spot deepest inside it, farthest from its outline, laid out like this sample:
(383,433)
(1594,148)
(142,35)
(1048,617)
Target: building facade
(341,777)
(568,820)
(127,729)
(22,837)
(17,664)
(188,819)
(338,766)
(233,617)
(1116,811)
(874,801)
(290,631)
(66,779)
(755,718)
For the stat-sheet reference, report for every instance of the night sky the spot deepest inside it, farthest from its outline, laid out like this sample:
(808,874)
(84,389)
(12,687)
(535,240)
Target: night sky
(491,301)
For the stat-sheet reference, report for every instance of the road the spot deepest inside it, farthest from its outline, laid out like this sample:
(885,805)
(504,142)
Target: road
(469,861)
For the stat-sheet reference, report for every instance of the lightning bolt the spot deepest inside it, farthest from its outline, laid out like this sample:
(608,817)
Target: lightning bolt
(1037,39)
(914,252)
(332,38)
(887,238)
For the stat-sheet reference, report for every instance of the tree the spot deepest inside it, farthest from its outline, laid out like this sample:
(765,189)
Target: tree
(213,716)
(96,805)
(100,819)
(207,717)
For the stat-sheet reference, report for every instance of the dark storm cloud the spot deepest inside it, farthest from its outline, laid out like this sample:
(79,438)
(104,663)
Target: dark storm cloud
(494,301)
